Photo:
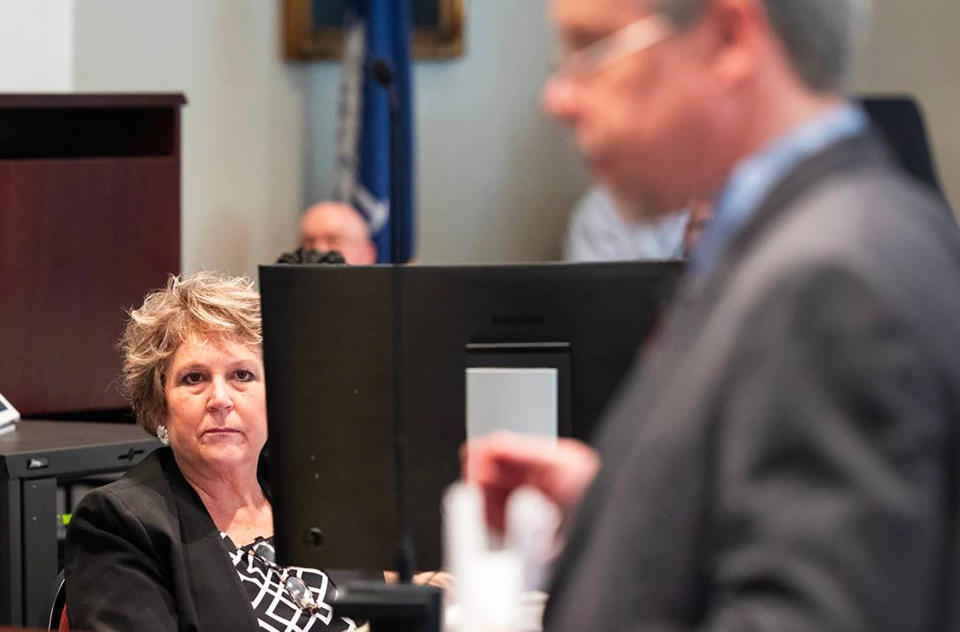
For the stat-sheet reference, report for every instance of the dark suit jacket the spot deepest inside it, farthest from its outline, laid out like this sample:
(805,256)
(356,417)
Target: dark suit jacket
(785,458)
(144,555)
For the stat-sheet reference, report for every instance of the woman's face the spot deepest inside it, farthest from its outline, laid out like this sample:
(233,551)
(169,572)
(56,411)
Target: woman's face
(216,408)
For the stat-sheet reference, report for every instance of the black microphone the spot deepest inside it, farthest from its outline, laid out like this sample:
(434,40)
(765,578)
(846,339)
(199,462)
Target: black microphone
(381,73)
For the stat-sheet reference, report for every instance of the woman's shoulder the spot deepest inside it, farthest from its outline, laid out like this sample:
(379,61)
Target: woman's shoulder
(143,485)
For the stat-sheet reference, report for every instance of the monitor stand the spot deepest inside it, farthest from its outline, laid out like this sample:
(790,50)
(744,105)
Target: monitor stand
(391,607)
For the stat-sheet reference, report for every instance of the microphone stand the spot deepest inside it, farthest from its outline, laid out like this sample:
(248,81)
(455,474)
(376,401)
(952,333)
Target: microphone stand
(401,607)
(404,557)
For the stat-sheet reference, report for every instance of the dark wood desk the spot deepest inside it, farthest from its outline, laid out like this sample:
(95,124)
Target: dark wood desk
(33,458)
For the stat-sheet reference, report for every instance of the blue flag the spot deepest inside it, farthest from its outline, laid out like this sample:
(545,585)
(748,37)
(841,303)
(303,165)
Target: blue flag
(380,31)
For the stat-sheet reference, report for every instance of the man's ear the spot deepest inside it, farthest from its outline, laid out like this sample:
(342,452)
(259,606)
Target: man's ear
(372,249)
(737,31)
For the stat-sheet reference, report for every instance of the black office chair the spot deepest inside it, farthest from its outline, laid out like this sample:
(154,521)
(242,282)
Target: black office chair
(900,120)
(55,617)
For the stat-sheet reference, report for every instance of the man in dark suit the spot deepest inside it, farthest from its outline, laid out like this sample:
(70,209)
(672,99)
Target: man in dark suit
(785,458)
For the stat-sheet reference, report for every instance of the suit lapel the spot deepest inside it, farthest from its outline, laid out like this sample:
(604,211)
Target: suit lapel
(214,584)
(862,152)
(698,295)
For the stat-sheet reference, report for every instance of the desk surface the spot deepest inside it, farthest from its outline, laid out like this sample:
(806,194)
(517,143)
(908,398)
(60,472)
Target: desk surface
(71,447)
(36,435)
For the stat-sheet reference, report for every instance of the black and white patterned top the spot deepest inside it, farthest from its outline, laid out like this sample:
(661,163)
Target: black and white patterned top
(273,606)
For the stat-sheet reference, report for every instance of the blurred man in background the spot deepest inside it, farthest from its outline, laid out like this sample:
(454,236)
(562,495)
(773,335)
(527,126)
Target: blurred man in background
(337,226)
(599,231)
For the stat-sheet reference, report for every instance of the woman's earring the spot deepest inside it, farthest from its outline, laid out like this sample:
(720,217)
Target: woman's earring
(163,435)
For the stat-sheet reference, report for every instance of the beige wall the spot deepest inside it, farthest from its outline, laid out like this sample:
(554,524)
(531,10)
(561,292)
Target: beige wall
(496,178)
(914,47)
(36,45)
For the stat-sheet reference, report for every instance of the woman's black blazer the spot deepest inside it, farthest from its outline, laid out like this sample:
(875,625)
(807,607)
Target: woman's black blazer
(143,554)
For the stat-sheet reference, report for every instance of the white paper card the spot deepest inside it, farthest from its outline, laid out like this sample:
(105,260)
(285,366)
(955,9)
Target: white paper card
(521,400)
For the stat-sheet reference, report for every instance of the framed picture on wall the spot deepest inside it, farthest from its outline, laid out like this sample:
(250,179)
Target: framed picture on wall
(313,29)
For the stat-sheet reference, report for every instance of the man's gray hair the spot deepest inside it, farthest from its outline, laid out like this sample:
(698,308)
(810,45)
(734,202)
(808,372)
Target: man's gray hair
(819,35)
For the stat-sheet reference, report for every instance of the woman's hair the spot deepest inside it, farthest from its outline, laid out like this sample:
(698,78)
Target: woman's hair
(204,305)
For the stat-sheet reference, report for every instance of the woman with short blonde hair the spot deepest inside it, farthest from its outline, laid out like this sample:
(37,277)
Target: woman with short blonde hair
(184,540)
(205,304)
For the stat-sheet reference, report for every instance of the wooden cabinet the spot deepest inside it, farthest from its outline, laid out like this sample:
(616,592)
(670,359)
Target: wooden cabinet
(89,222)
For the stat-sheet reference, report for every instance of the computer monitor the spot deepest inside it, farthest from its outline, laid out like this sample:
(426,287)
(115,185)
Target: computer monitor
(562,336)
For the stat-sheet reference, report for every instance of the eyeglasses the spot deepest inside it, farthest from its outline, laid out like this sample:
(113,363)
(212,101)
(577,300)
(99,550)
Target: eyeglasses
(294,586)
(628,40)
